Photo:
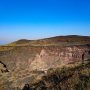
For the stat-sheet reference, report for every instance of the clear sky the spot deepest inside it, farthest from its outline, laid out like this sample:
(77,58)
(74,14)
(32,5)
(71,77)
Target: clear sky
(34,19)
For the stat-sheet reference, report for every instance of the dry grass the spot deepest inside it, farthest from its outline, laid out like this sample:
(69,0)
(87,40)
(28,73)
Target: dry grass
(76,78)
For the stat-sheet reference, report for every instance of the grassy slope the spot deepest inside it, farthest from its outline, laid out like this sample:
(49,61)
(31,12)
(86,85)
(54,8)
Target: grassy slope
(53,41)
(76,78)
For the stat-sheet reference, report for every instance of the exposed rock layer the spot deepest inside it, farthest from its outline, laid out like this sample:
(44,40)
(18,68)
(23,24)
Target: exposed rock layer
(43,58)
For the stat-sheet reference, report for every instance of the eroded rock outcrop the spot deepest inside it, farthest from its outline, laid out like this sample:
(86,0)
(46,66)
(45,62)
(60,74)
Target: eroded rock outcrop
(59,56)
(44,57)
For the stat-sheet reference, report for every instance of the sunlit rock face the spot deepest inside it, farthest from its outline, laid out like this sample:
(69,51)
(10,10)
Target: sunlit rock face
(51,57)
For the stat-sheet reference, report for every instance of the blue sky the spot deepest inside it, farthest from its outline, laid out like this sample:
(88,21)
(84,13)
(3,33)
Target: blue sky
(34,19)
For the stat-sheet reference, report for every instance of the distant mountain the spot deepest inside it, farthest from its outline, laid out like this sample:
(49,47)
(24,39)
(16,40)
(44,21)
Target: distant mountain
(58,40)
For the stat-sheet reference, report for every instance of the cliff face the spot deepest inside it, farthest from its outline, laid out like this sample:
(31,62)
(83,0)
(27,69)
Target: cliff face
(43,58)
(57,57)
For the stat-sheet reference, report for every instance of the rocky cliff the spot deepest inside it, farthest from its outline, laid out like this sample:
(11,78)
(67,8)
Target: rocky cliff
(59,56)
(41,58)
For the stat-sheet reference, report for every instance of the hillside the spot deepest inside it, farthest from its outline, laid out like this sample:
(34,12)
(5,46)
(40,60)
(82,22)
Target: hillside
(55,41)
(66,78)
(27,61)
